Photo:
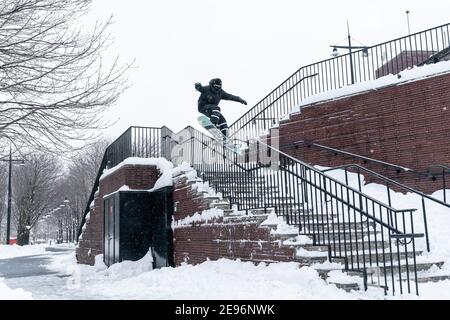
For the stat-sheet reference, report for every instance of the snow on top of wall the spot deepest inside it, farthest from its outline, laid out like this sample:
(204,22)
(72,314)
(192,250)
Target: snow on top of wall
(205,216)
(161,163)
(406,76)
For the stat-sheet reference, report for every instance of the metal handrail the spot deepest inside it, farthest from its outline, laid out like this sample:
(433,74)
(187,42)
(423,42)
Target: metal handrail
(336,72)
(320,186)
(399,169)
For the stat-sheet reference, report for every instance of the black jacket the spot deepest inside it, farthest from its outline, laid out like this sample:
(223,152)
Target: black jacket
(211,96)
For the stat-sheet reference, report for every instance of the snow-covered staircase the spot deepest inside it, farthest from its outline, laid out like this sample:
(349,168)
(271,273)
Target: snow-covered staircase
(363,251)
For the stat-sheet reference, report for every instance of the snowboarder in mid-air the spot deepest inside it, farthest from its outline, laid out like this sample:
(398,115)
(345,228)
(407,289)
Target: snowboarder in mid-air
(208,103)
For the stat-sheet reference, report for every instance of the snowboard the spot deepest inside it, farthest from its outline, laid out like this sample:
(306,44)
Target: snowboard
(218,135)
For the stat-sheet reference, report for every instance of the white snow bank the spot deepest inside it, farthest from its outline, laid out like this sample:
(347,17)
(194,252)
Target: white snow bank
(211,280)
(13,251)
(205,216)
(128,269)
(413,74)
(7,293)
(282,227)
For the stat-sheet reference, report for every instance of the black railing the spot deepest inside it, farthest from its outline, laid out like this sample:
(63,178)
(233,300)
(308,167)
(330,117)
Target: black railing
(137,142)
(364,233)
(366,64)
(434,173)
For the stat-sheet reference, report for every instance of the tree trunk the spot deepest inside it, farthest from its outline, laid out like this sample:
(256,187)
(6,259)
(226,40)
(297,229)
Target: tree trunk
(23,237)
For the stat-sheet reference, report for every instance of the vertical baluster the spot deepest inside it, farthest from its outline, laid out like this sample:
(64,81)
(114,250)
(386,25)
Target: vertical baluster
(406,253)
(414,252)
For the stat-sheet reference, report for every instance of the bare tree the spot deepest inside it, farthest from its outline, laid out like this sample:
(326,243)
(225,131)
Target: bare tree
(77,184)
(34,194)
(54,83)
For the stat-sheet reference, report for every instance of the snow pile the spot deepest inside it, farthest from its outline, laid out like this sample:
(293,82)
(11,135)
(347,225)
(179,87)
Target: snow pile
(211,280)
(409,75)
(300,239)
(128,269)
(20,251)
(205,216)
(7,293)
(184,170)
(282,228)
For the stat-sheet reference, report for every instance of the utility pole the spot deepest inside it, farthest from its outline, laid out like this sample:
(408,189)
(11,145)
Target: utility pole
(8,218)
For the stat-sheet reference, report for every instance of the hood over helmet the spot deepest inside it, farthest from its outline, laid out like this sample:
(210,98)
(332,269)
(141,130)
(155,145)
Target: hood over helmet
(216,84)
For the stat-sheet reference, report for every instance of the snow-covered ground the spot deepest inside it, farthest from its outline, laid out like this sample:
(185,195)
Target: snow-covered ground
(17,251)
(212,280)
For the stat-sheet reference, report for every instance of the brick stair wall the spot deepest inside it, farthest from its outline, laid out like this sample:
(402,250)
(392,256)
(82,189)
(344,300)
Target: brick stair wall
(218,238)
(407,125)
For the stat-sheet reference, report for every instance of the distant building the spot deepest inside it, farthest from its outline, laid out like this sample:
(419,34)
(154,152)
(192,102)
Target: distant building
(403,61)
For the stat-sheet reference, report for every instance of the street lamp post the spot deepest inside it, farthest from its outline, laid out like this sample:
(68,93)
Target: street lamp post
(407,20)
(349,47)
(8,217)
(66,205)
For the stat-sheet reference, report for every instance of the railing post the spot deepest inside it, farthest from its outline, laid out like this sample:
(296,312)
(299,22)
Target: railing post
(425,223)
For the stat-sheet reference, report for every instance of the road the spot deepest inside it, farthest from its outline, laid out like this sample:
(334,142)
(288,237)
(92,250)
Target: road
(31,274)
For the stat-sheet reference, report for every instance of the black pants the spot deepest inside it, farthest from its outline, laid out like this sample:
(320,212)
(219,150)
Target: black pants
(213,113)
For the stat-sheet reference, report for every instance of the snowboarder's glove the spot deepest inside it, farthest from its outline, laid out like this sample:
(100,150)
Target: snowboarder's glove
(198,86)
(243,101)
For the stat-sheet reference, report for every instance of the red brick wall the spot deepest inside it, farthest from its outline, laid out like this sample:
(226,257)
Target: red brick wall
(407,125)
(215,240)
(134,176)
(198,242)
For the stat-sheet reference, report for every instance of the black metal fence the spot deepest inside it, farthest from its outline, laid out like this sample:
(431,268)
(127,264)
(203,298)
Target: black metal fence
(366,64)
(137,142)
(369,236)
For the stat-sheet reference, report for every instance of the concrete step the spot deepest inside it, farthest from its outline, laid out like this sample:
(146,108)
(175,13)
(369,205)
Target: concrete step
(346,286)
(341,246)
(261,210)
(424,266)
(309,247)
(432,278)
(341,236)
(371,258)
(319,225)
(220,205)
(310,260)
(249,191)
(283,236)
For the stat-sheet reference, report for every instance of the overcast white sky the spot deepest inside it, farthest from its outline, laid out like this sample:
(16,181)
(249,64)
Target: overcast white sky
(253,45)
